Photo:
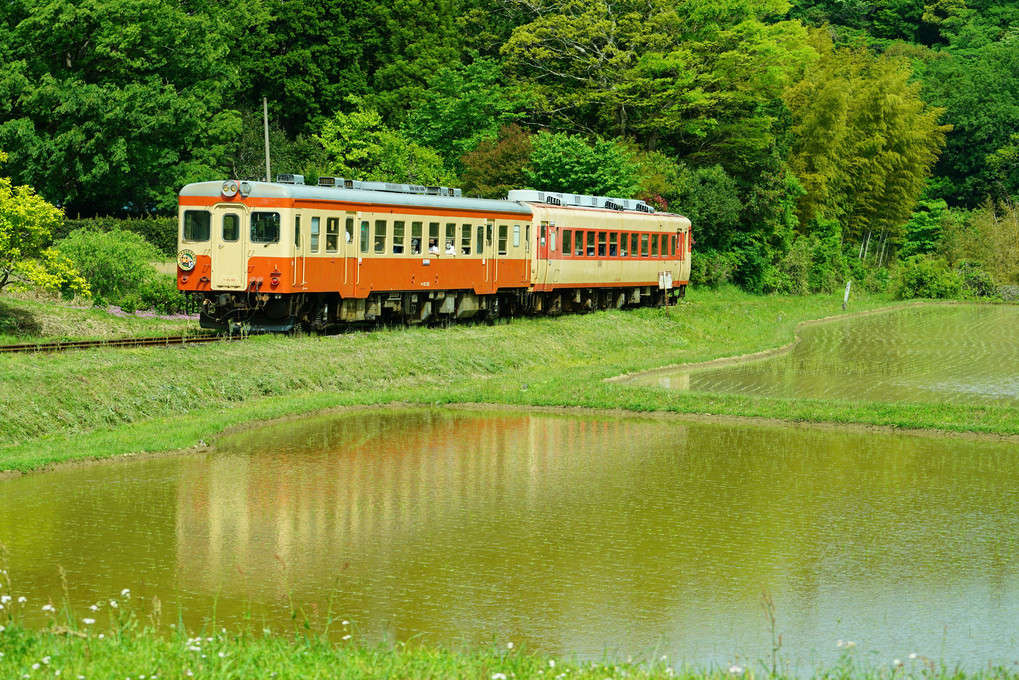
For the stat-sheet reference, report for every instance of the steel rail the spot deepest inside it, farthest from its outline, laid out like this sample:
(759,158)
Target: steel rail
(63,345)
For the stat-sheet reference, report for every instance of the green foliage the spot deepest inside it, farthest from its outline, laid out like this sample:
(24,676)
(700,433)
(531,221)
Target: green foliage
(564,162)
(463,106)
(26,224)
(54,272)
(980,95)
(159,231)
(710,198)
(107,104)
(361,146)
(115,263)
(302,154)
(419,39)
(496,166)
(921,276)
(865,140)
(710,267)
(923,232)
(305,57)
(976,282)
(160,293)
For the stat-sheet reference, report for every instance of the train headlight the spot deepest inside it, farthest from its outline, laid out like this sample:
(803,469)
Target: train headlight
(245,188)
(230,188)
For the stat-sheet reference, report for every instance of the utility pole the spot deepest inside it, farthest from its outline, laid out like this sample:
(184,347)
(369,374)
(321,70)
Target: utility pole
(265,120)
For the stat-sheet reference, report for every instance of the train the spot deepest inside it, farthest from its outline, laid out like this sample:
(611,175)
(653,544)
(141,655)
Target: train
(274,256)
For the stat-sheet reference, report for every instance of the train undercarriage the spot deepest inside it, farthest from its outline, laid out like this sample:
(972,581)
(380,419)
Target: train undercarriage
(319,312)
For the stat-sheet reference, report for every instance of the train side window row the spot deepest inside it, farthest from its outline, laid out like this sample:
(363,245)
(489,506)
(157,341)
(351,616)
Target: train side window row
(588,243)
(465,240)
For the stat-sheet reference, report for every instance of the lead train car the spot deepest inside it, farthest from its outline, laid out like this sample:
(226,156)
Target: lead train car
(267,256)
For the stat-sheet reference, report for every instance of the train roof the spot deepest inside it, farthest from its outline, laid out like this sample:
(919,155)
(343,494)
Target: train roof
(322,193)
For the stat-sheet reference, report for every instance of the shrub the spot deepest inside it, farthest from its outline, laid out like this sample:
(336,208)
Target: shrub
(159,231)
(709,267)
(975,280)
(160,293)
(924,277)
(115,263)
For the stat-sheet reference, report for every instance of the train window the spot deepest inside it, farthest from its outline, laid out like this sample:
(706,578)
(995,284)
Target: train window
(380,236)
(543,234)
(674,250)
(415,237)
(481,239)
(551,237)
(633,245)
(590,244)
(613,240)
(297,232)
(433,231)
(349,229)
(364,236)
(516,235)
(654,245)
(601,244)
(527,237)
(197,225)
(567,242)
(315,230)
(503,238)
(465,239)
(399,235)
(332,234)
(265,227)
(232,227)
(643,245)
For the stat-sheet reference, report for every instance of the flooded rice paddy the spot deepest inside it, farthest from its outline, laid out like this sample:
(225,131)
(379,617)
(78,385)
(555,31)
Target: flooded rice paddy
(585,536)
(966,354)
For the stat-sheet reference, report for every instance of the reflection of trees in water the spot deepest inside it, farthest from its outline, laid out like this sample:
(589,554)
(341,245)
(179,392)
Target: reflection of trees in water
(439,521)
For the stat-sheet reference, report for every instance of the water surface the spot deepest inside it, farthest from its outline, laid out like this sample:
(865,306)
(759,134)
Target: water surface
(572,536)
(960,354)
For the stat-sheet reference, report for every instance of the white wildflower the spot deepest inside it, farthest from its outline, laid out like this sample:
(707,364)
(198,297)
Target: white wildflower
(498,676)
(88,622)
(48,608)
(346,637)
(509,645)
(125,593)
(113,603)
(4,599)
(735,669)
(22,599)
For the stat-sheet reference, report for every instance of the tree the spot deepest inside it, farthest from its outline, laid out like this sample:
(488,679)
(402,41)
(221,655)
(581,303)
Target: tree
(108,106)
(359,145)
(463,105)
(562,162)
(306,57)
(980,95)
(26,222)
(498,165)
(864,139)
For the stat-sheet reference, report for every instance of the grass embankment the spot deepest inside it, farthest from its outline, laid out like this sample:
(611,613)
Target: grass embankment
(25,317)
(100,403)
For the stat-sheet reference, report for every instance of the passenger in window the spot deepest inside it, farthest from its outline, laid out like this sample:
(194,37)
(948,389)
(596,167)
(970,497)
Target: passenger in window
(433,246)
(450,248)
(415,246)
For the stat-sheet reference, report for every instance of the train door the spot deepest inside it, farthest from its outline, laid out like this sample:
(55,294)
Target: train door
(300,262)
(491,254)
(348,246)
(229,241)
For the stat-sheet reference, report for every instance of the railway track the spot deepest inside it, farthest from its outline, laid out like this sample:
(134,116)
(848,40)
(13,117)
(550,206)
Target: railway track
(63,345)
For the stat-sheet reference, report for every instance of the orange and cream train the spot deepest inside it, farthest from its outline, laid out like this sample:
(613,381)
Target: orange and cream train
(269,256)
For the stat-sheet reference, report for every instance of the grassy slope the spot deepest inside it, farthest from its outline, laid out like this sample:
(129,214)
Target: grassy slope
(105,402)
(25,317)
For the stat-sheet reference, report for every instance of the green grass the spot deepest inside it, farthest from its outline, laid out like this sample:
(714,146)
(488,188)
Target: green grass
(120,639)
(105,402)
(26,317)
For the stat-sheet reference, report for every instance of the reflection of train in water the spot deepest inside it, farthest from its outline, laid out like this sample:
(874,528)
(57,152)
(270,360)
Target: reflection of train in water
(270,255)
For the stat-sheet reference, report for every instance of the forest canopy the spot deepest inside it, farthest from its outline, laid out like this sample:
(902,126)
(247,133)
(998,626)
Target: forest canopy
(781,128)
